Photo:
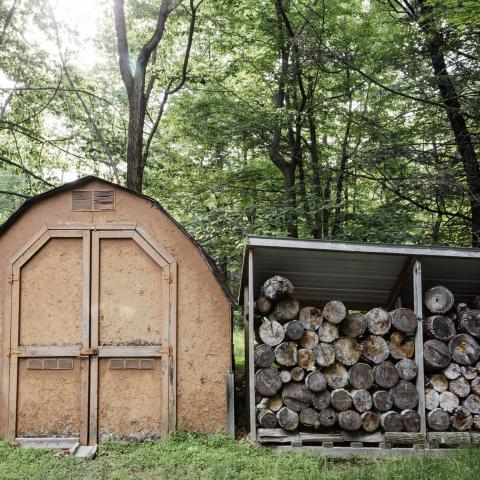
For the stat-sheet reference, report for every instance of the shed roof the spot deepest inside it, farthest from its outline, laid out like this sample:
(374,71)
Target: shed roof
(82,181)
(360,274)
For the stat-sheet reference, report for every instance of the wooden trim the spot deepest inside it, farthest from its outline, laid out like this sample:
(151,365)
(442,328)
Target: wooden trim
(4,392)
(48,351)
(400,281)
(231,404)
(25,254)
(54,233)
(172,342)
(25,247)
(108,351)
(161,250)
(63,443)
(164,364)
(251,337)
(93,226)
(149,250)
(114,233)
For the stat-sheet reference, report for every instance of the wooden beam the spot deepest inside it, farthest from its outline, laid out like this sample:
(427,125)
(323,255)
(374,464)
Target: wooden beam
(400,281)
(251,338)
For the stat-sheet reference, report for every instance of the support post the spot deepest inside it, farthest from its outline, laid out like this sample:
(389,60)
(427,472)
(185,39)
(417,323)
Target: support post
(251,338)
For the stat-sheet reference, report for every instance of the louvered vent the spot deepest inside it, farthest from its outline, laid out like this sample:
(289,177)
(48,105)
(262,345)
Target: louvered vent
(103,200)
(132,364)
(93,200)
(82,200)
(50,364)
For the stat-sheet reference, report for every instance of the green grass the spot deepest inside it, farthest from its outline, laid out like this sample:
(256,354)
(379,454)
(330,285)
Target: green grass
(239,351)
(190,456)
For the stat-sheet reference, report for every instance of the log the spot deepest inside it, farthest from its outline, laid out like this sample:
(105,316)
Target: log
(432,399)
(361,376)
(401,345)
(436,354)
(286,354)
(461,419)
(476,422)
(349,420)
(321,400)
(438,420)
(464,349)
(407,369)
(475,385)
(469,322)
(469,372)
(316,381)
(386,375)
(448,401)
(294,330)
(267,419)
(325,354)
(274,403)
(328,332)
(362,400)
(337,376)
(411,421)
(439,327)
(382,400)
(271,333)
(472,404)
(264,356)
(405,395)
(370,421)
(439,299)
(263,305)
(378,321)
(286,309)
(354,325)
(460,387)
(285,375)
(334,311)
(341,400)
(452,371)
(439,382)
(267,382)
(276,287)
(375,349)
(347,351)
(287,419)
(309,418)
(296,396)
(306,359)
(327,418)
(311,318)
(404,320)
(391,421)
(309,340)
(297,374)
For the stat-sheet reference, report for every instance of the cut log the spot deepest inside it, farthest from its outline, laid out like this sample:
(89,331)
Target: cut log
(321,400)
(439,382)
(325,354)
(469,372)
(316,381)
(432,399)
(436,354)
(476,422)
(306,359)
(391,421)
(267,382)
(277,287)
(378,321)
(472,404)
(370,421)
(354,325)
(287,419)
(438,420)
(297,373)
(382,400)
(375,349)
(460,387)
(405,395)
(327,418)
(347,351)
(267,419)
(294,330)
(271,333)
(476,302)
(337,376)
(407,369)
(404,320)
(461,419)
(285,375)
(341,400)
(311,318)
(452,371)
(309,418)
(439,299)
(386,375)
(328,332)
(464,349)
(264,356)
(475,385)
(286,354)
(286,309)
(401,345)
(263,305)
(362,400)
(439,327)
(411,421)
(361,376)
(296,396)
(448,401)
(309,340)
(334,311)
(349,420)
(275,403)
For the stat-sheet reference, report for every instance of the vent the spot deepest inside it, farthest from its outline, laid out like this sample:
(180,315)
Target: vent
(132,364)
(103,200)
(93,200)
(82,200)
(50,364)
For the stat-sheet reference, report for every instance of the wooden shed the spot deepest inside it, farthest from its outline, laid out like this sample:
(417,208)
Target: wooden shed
(114,321)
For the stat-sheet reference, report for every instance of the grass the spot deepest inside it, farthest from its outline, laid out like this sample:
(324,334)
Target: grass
(239,351)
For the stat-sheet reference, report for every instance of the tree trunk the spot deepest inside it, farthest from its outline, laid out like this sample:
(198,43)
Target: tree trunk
(271,333)
(404,320)
(472,404)
(439,382)
(460,387)
(276,287)
(309,340)
(334,311)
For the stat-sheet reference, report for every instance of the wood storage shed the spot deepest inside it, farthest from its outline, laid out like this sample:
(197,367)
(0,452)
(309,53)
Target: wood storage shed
(114,321)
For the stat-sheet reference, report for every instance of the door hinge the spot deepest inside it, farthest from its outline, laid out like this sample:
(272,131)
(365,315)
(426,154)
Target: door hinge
(86,352)
(12,352)
(170,277)
(11,278)
(167,351)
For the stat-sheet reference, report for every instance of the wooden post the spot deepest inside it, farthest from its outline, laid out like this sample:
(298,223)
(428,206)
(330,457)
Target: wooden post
(251,338)
(417,307)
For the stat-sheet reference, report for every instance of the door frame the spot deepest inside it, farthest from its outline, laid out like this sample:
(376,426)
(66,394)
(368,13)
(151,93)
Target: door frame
(90,235)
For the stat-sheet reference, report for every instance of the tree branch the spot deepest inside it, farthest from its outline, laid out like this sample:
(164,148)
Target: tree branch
(25,169)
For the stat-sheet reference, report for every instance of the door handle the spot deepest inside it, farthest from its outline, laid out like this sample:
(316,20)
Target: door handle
(86,352)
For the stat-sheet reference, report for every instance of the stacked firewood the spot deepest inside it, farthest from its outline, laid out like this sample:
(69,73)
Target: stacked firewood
(451,353)
(323,368)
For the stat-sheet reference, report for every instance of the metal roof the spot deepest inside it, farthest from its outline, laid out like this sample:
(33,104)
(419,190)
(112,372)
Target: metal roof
(360,274)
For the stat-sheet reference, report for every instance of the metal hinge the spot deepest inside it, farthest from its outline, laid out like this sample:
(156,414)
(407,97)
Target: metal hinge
(167,351)
(170,278)
(86,352)
(13,352)
(11,278)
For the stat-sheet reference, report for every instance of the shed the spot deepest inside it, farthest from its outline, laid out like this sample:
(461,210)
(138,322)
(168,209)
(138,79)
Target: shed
(114,321)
